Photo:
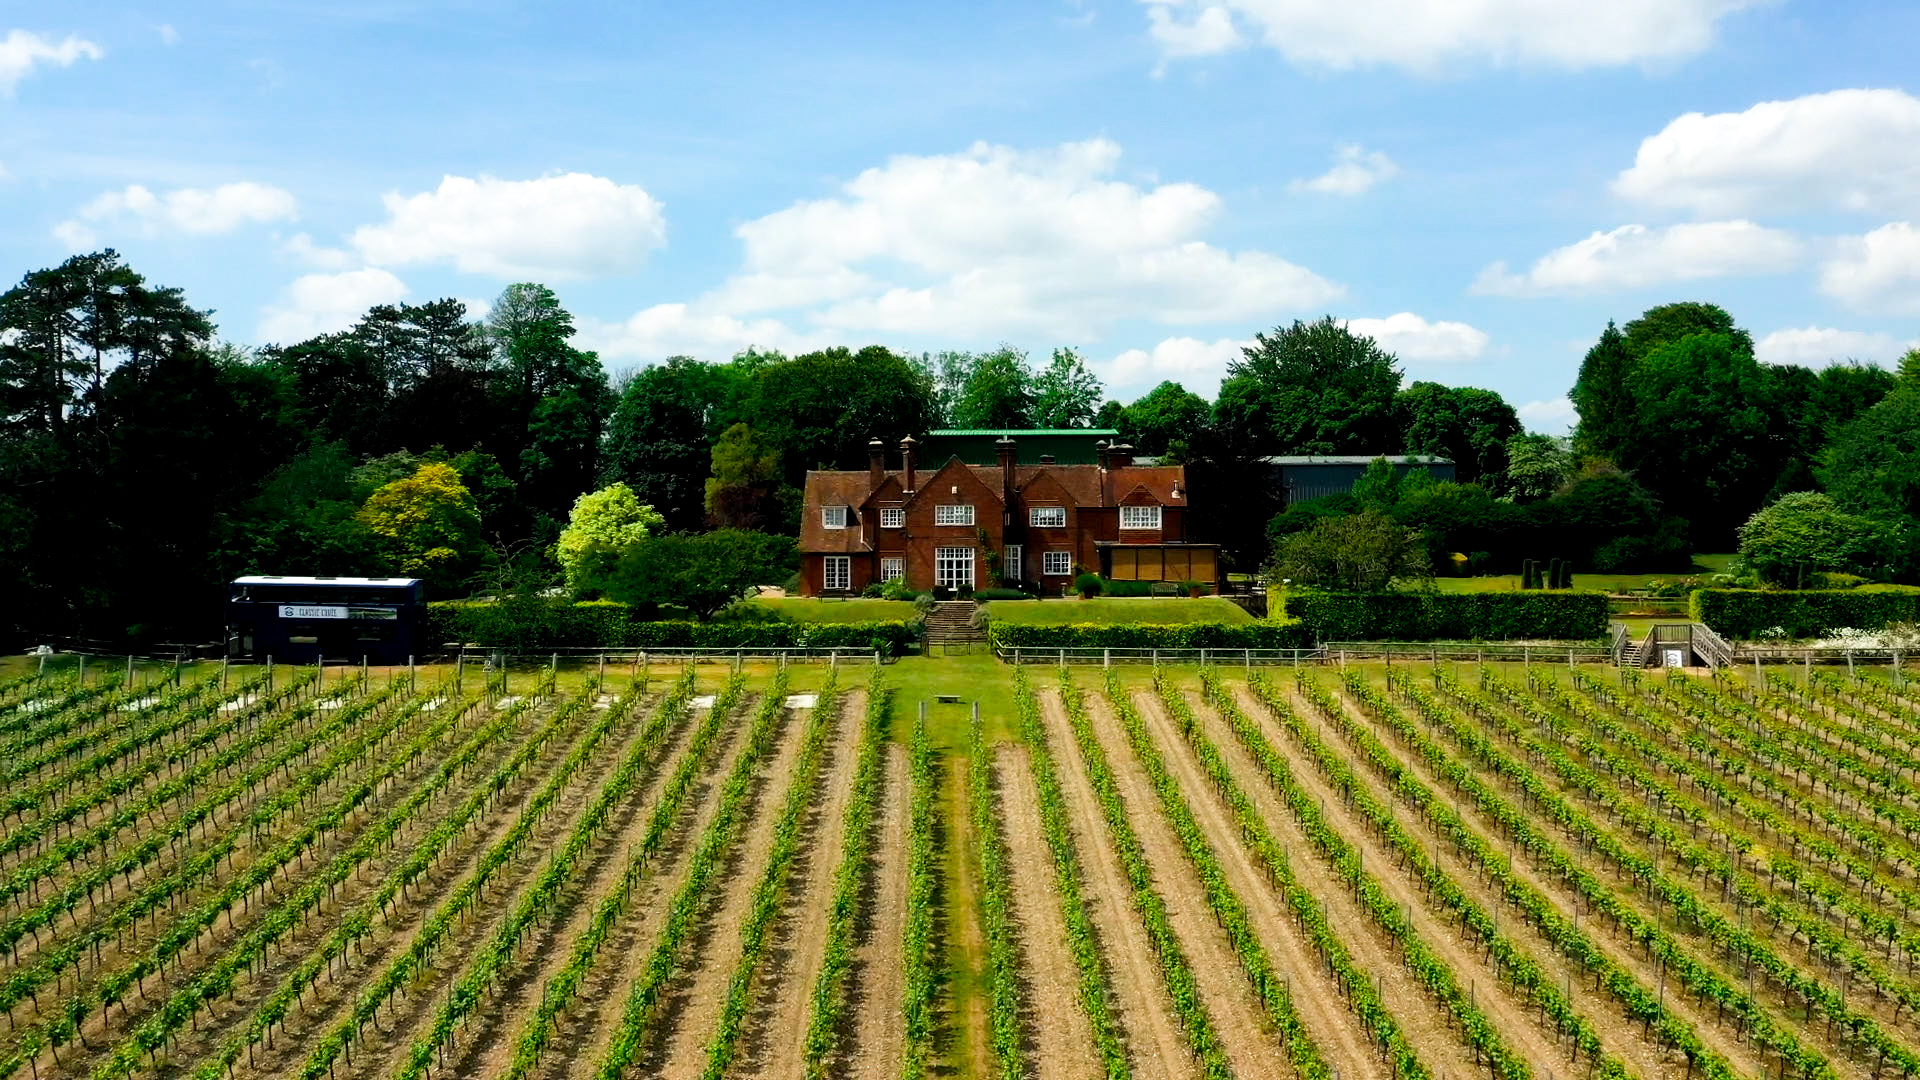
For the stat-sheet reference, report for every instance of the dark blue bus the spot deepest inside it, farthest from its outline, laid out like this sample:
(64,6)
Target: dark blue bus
(302,619)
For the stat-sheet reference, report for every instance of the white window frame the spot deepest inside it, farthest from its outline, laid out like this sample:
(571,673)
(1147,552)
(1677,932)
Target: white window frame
(1010,563)
(1056,564)
(840,567)
(1150,513)
(836,517)
(893,517)
(961,514)
(892,567)
(949,563)
(1056,517)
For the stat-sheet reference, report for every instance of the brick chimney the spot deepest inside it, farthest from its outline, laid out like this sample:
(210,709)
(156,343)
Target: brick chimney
(1121,455)
(876,464)
(906,463)
(1003,451)
(1101,449)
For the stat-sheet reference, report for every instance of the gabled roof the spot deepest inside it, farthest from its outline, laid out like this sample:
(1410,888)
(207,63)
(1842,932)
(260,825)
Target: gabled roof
(832,489)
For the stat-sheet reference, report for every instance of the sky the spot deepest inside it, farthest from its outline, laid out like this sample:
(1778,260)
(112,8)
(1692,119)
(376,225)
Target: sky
(1478,184)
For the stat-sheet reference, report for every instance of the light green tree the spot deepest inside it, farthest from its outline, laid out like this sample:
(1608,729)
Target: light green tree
(1065,393)
(1801,534)
(603,524)
(428,524)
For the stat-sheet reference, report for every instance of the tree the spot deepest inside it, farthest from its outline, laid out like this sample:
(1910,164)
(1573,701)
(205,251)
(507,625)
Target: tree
(1803,533)
(999,392)
(1536,467)
(1668,323)
(603,524)
(1166,420)
(821,408)
(1704,439)
(1909,368)
(663,427)
(428,525)
(1065,394)
(1464,424)
(1311,388)
(1467,519)
(562,455)
(744,491)
(1602,397)
(701,573)
(1871,467)
(1364,552)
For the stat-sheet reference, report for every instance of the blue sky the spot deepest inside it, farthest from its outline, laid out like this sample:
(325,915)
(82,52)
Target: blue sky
(1480,185)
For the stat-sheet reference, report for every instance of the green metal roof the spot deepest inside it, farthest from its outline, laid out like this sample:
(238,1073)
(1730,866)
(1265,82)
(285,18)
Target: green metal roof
(1015,432)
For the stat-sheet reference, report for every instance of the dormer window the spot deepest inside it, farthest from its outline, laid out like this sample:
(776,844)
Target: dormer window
(836,517)
(1140,517)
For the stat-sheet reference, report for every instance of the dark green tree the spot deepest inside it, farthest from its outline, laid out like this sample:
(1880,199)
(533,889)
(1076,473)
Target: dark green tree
(821,408)
(1166,419)
(1311,388)
(664,424)
(745,491)
(1601,396)
(1872,469)
(1464,424)
(999,392)
(1066,393)
(702,573)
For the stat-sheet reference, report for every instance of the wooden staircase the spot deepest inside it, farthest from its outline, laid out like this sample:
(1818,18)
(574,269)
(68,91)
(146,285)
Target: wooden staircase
(950,622)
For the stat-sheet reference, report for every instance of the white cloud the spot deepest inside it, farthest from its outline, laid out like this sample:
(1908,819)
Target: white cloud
(1877,272)
(1195,364)
(1635,256)
(323,303)
(1425,35)
(1820,346)
(168,35)
(1555,417)
(21,51)
(996,242)
(1354,171)
(665,330)
(564,226)
(1411,337)
(1854,150)
(1184,32)
(201,211)
(301,248)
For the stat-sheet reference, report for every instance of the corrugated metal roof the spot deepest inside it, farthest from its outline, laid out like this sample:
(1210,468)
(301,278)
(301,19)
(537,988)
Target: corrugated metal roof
(1017,432)
(1356,459)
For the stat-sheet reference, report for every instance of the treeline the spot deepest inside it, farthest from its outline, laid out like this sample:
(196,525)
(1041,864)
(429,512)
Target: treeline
(144,461)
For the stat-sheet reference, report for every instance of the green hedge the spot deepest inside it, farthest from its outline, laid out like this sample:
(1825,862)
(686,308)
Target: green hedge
(1746,614)
(1546,615)
(1269,634)
(531,626)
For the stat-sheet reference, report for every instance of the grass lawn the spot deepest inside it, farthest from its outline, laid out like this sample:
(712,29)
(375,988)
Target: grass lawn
(1120,609)
(856,609)
(1613,583)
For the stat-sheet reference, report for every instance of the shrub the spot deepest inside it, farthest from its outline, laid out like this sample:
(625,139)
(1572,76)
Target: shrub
(1268,634)
(965,589)
(1126,588)
(874,591)
(1088,585)
(534,625)
(898,589)
(1555,616)
(1746,614)
(1002,594)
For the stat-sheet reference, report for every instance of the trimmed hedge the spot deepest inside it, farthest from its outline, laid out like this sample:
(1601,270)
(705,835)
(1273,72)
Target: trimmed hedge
(1746,614)
(1269,634)
(1552,616)
(531,626)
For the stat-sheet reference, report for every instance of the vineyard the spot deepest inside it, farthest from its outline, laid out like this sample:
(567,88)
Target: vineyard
(1365,873)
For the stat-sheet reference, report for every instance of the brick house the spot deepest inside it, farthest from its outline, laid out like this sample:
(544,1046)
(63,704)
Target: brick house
(1036,525)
